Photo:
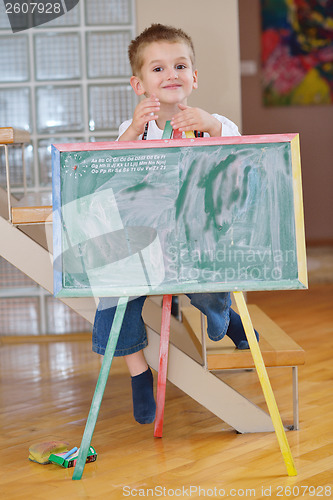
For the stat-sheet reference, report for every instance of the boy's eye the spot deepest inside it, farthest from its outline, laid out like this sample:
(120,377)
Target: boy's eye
(180,66)
(157,69)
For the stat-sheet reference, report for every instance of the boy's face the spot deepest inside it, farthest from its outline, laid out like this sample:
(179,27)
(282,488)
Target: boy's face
(166,72)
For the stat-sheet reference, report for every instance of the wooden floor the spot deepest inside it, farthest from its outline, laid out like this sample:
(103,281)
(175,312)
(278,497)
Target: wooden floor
(46,390)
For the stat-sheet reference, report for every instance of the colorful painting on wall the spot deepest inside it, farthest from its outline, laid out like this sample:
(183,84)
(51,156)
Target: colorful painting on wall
(297,52)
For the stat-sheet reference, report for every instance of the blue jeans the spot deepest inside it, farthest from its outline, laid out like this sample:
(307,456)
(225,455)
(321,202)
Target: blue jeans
(133,337)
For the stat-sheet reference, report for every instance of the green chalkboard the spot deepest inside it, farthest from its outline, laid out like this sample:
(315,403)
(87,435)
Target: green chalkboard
(178,216)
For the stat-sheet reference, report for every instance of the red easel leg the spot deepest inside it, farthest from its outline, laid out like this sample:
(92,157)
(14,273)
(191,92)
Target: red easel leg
(177,134)
(163,365)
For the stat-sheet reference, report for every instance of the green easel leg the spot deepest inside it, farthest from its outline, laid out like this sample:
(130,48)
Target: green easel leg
(100,387)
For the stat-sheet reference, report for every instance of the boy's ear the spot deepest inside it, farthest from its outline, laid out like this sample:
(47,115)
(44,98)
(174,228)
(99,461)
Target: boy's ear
(136,85)
(195,79)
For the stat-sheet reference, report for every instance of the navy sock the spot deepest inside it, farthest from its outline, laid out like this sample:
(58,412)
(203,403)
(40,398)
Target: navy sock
(144,406)
(236,331)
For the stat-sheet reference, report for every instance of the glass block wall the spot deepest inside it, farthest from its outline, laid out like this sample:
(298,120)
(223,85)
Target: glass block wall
(64,81)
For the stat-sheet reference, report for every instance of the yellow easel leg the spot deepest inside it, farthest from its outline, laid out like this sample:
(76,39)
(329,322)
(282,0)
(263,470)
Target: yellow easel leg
(189,134)
(265,383)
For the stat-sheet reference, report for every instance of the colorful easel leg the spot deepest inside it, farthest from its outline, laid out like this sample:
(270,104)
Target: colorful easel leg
(100,387)
(163,365)
(265,383)
(165,325)
(177,134)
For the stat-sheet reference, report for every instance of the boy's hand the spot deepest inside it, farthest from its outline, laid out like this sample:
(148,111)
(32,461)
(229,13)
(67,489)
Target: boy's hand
(196,119)
(144,112)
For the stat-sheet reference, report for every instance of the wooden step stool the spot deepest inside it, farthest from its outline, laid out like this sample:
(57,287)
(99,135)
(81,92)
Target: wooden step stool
(34,208)
(10,136)
(277,348)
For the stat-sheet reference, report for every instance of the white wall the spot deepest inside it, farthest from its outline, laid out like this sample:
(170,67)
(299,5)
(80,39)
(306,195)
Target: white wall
(213,26)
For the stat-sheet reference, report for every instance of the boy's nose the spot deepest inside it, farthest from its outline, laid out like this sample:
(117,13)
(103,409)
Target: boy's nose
(172,74)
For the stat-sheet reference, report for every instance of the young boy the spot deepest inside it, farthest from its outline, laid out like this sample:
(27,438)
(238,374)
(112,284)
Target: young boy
(163,65)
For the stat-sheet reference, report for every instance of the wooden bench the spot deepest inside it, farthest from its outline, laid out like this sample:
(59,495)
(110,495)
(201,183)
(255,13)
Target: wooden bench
(277,348)
(10,136)
(34,208)
(31,215)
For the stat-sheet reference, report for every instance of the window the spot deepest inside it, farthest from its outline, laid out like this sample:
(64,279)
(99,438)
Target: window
(63,81)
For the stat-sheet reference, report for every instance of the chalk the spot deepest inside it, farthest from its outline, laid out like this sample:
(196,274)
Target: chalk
(70,452)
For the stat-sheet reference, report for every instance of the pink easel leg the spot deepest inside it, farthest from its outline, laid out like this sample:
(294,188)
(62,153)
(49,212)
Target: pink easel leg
(177,134)
(163,365)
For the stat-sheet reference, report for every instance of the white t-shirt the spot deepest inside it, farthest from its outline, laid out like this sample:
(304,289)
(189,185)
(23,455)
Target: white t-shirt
(228,128)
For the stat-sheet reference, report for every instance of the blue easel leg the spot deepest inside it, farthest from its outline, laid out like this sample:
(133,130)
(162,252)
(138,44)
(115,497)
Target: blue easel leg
(100,387)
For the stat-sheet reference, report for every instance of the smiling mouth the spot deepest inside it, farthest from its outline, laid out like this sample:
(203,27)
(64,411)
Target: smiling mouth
(172,86)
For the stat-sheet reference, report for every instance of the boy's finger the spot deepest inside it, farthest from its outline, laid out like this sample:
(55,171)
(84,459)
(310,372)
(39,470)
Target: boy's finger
(185,126)
(183,123)
(151,105)
(150,116)
(188,128)
(150,111)
(151,98)
(182,116)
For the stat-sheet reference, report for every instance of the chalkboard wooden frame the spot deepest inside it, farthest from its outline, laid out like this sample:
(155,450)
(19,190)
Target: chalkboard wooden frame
(62,152)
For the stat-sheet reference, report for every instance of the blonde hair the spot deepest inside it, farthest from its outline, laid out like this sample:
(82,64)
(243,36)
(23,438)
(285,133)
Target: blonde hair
(156,33)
